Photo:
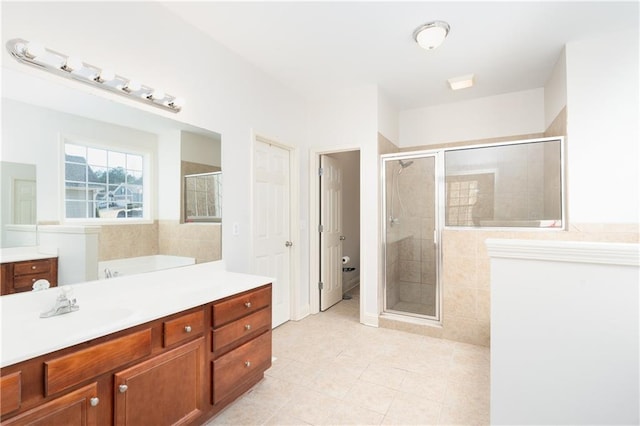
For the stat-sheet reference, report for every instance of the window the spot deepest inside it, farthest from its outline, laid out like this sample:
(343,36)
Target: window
(506,185)
(103,183)
(203,201)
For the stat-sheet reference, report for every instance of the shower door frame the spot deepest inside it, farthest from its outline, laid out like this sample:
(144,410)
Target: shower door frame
(438,156)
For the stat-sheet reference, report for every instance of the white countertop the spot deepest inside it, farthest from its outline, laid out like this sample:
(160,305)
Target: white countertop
(108,306)
(20,254)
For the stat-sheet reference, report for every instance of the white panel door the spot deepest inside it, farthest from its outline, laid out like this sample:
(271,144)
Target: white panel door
(330,242)
(24,202)
(271,224)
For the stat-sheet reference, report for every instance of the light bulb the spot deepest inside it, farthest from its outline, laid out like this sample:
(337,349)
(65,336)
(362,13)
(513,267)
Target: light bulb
(105,75)
(132,86)
(157,95)
(34,49)
(73,63)
(177,103)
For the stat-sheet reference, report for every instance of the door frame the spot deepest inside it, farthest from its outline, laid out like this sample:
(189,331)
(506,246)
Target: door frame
(314,220)
(294,217)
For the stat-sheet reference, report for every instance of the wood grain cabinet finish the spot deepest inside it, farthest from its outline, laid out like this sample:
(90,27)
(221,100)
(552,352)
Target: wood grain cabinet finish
(183,328)
(10,392)
(75,408)
(164,372)
(17,277)
(165,390)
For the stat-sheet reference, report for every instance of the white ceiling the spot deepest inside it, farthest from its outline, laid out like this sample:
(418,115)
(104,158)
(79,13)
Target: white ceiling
(317,48)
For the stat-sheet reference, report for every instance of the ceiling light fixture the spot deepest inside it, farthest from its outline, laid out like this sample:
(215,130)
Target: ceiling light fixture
(431,35)
(36,55)
(462,82)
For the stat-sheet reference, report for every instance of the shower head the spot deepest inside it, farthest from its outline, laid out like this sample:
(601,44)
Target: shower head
(405,164)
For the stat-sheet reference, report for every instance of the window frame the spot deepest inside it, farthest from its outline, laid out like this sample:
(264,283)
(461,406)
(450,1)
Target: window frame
(147,178)
(563,189)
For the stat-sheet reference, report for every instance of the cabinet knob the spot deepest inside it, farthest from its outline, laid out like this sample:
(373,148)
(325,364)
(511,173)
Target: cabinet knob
(247,364)
(187,328)
(33,280)
(247,304)
(94,401)
(247,327)
(33,267)
(123,388)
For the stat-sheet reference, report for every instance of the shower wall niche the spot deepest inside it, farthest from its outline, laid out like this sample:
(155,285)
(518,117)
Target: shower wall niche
(411,255)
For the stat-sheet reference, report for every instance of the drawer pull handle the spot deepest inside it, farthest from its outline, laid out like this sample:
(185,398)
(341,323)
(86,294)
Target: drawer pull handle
(247,364)
(33,267)
(187,329)
(247,327)
(247,304)
(123,388)
(94,401)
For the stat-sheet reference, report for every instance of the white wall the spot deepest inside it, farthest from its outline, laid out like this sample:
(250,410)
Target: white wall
(603,135)
(564,333)
(32,135)
(387,118)
(349,121)
(200,149)
(223,92)
(555,90)
(493,116)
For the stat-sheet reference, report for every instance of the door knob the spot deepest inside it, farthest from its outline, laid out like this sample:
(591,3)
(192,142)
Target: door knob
(342,238)
(288,244)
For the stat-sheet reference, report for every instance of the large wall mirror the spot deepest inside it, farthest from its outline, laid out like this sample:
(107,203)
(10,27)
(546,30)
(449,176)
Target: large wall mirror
(41,114)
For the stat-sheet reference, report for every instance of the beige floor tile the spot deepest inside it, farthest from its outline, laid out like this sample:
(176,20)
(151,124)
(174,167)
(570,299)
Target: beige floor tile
(347,414)
(310,406)
(331,370)
(409,409)
(371,396)
(390,377)
(428,386)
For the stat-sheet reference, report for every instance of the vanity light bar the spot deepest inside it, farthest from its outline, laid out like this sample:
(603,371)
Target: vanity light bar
(36,55)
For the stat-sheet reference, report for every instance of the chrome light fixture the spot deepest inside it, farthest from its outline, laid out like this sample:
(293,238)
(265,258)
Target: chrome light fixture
(34,54)
(431,35)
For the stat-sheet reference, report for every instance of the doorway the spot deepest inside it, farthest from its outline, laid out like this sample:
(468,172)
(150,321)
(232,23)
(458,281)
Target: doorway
(411,243)
(338,232)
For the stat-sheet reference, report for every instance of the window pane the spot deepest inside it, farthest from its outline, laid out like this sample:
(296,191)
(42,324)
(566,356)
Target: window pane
(517,185)
(97,157)
(99,185)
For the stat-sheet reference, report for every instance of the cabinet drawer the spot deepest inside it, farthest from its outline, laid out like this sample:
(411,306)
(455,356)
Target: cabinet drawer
(183,328)
(241,330)
(239,306)
(32,267)
(26,281)
(69,370)
(10,392)
(233,369)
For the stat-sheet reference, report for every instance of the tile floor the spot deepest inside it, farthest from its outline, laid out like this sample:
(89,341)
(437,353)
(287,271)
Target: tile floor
(331,370)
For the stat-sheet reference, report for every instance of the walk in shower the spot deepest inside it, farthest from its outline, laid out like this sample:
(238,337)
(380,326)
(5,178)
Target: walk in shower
(411,249)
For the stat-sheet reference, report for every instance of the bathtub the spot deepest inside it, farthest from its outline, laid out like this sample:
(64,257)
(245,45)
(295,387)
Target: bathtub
(137,265)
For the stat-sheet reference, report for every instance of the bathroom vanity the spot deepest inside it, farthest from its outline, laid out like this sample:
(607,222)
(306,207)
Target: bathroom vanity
(167,347)
(23,266)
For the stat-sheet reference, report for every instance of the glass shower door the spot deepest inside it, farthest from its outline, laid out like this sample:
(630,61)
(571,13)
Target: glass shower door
(411,250)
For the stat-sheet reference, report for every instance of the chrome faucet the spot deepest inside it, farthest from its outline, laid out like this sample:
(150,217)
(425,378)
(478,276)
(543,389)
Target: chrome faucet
(63,305)
(107,273)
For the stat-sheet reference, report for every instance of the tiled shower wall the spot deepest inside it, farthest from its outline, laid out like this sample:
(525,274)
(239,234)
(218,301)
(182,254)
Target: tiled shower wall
(466,268)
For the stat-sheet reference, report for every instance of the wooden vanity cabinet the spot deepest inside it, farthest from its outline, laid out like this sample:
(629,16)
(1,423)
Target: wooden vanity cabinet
(17,277)
(169,371)
(167,389)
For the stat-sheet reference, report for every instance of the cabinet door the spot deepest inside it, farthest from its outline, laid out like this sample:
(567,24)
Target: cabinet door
(75,408)
(165,390)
